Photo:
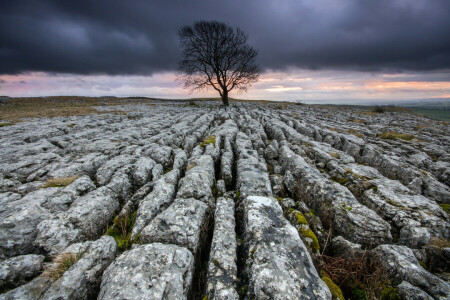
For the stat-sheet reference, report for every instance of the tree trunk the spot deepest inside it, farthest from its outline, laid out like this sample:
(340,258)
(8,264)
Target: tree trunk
(225,98)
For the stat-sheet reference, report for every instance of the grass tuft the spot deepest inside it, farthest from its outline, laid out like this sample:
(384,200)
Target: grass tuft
(121,231)
(62,263)
(59,182)
(393,135)
(334,154)
(6,124)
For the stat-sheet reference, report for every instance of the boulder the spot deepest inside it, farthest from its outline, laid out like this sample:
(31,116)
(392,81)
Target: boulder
(152,271)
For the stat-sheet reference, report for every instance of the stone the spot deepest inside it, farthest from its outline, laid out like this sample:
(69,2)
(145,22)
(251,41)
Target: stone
(152,271)
(143,170)
(402,265)
(409,292)
(157,201)
(222,269)
(18,270)
(278,263)
(353,221)
(199,180)
(107,170)
(184,223)
(83,279)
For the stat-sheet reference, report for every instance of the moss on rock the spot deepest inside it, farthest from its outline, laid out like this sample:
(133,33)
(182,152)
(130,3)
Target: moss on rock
(334,289)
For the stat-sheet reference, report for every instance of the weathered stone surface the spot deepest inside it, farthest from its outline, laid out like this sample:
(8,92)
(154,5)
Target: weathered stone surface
(62,199)
(18,221)
(184,223)
(199,180)
(278,264)
(132,204)
(409,292)
(30,291)
(19,269)
(92,212)
(408,210)
(350,219)
(222,268)
(154,203)
(106,171)
(347,172)
(402,265)
(83,279)
(143,170)
(153,271)
(252,177)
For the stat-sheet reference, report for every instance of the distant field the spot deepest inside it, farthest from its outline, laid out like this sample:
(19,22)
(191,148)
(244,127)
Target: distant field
(435,114)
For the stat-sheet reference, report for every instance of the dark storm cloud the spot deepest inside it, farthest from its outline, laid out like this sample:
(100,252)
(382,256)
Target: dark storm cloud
(140,37)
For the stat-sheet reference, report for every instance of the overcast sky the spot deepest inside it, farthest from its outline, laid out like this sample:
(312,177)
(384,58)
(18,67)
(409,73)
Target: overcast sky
(309,50)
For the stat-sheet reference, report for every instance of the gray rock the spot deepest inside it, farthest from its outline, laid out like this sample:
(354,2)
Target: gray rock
(62,199)
(346,249)
(153,271)
(158,200)
(55,235)
(157,172)
(220,186)
(222,268)
(199,180)
(132,204)
(83,279)
(107,170)
(18,270)
(18,221)
(30,291)
(353,221)
(180,160)
(278,264)
(252,177)
(143,170)
(92,212)
(184,223)
(407,291)
(226,164)
(161,154)
(396,202)
(402,265)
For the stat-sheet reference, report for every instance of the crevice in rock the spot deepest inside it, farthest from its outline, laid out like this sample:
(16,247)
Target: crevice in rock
(199,278)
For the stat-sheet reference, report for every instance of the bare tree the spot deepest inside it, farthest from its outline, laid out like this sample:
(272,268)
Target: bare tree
(216,55)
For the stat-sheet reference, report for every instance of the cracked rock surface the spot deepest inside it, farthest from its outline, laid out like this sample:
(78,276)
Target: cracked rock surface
(178,201)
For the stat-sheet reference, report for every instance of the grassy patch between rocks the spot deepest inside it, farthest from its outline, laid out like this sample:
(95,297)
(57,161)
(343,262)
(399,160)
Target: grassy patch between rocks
(62,263)
(209,140)
(59,182)
(445,207)
(121,231)
(6,124)
(393,135)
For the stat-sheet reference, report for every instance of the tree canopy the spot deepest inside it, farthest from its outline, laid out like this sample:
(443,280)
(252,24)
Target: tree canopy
(218,56)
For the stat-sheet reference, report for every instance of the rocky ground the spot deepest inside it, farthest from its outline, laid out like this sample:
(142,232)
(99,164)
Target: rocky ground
(175,201)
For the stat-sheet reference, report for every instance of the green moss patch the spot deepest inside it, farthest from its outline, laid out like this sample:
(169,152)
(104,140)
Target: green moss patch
(209,140)
(445,207)
(390,293)
(6,124)
(334,289)
(300,218)
(308,233)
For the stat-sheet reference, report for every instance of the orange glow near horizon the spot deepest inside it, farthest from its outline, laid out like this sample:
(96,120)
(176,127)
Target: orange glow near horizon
(297,84)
